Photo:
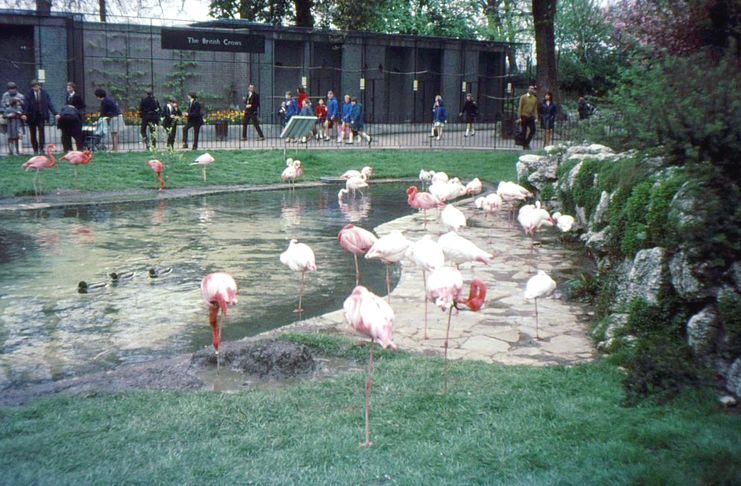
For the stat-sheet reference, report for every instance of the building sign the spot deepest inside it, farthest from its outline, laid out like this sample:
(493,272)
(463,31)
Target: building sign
(210,40)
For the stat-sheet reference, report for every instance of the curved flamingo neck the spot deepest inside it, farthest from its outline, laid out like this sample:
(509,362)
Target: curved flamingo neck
(50,152)
(476,296)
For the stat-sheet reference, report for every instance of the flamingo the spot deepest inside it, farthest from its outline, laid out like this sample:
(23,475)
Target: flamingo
(445,286)
(356,240)
(390,248)
(204,160)
(455,189)
(368,314)
(292,172)
(440,190)
(156,166)
(532,217)
(474,187)
(299,258)
(458,249)
(366,172)
(428,256)
(563,222)
(438,176)
(423,201)
(539,286)
(452,219)
(76,158)
(353,184)
(40,162)
(425,176)
(218,290)
(510,193)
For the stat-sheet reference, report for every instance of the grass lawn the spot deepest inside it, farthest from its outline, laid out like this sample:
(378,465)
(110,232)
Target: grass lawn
(108,172)
(498,426)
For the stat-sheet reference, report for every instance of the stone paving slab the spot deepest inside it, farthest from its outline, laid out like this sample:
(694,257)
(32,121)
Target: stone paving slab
(504,330)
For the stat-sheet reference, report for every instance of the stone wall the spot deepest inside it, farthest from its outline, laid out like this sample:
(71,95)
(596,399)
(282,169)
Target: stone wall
(661,268)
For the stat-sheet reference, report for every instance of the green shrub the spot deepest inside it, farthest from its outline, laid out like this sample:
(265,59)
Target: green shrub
(586,192)
(729,305)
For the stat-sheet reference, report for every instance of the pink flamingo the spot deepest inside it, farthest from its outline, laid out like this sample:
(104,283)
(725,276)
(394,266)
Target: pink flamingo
(532,217)
(428,256)
(365,171)
(368,314)
(156,166)
(218,290)
(541,285)
(40,162)
(390,248)
(353,184)
(510,192)
(445,286)
(76,158)
(356,240)
(423,201)
(292,171)
(299,258)
(204,160)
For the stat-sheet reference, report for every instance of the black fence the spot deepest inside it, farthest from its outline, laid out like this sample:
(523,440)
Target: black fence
(394,132)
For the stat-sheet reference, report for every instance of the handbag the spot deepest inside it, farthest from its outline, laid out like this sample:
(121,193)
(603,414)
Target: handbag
(519,136)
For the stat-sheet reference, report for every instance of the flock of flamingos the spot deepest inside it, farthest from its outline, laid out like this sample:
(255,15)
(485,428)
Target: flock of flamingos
(366,312)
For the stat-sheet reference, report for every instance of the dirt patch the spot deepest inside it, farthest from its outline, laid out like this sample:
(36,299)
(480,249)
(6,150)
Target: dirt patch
(273,359)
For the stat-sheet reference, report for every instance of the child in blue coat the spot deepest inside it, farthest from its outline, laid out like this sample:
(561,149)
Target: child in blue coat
(439,117)
(346,109)
(357,122)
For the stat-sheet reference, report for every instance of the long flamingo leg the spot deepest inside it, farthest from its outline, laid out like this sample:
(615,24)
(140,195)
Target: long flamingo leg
(204,173)
(447,335)
(367,400)
(218,361)
(300,294)
(35,190)
(357,270)
(41,187)
(75,177)
(537,333)
(388,284)
(424,282)
(424,212)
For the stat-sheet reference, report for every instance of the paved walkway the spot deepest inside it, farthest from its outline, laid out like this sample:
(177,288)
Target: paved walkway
(504,330)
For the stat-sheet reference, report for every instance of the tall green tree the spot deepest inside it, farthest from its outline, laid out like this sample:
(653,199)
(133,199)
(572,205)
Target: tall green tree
(544,16)
(275,12)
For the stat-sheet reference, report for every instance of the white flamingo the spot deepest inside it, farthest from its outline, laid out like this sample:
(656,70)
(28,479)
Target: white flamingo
(539,286)
(300,258)
(428,256)
(390,248)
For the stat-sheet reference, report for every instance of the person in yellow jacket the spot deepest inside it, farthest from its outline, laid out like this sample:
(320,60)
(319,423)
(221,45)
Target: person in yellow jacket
(527,113)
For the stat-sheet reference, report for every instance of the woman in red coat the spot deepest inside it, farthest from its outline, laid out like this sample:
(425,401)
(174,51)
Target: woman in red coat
(301,96)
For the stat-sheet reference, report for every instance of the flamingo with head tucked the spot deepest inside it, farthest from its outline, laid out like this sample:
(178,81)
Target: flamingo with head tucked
(218,291)
(365,172)
(368,314)
(474,187)
(41,162)
(458,250)
(75,157)
(444,287)
(356,241)
(423,201)
(299,258)
(156,166)
(539,286)
(452,219)
(390,248)
(204,160)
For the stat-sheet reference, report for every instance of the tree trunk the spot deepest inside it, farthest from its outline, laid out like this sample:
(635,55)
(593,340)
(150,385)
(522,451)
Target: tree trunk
(103,10)
(43,6)
(544,13)
(304,17)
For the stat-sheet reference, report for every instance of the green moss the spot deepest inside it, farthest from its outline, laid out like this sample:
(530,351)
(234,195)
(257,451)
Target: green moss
(661,232)
(729,305)
(586,192)
(548,193)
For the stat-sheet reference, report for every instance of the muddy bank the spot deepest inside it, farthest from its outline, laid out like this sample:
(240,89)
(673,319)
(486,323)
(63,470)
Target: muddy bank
(245,363)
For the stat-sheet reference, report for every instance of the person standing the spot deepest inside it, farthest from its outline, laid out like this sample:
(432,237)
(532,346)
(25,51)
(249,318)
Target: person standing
(469,113)
(291,108)
(548,110)
(306,111)
(70,123)
(345,128)
(10,95)
(439,117)
(170,118)
(357,121)
(321,120)
(301,97)
(36,108)
(109,109)
(149,112)
(195,120)
(333,112)
(73,98)
(12,127)
(527,112)
(251,112)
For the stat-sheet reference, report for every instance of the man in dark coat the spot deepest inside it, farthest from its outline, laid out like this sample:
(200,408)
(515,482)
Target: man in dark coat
(73,98)
(195,120)
(251,112)
(36,108)
(70,123)
(170,118)
(149,112)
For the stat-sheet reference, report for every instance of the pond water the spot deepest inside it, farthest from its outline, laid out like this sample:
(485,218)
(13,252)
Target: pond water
(49,331)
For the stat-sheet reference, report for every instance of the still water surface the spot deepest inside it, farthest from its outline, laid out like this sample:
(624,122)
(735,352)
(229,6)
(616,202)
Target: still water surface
(49,331)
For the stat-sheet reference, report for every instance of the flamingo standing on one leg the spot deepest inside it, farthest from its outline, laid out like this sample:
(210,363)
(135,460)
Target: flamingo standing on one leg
(458,250)
(444,286)
(204,160)
(40,162)
(356,240)
(423,201)
(390,248)
(428,256)
(218,290)
(368,314)
(532,217)
(156,166)
(511,193)
(299,258)
(76,158)
(541,285)
(452,219)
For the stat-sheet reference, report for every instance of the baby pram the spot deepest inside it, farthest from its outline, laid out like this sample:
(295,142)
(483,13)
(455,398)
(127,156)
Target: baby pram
(94,135)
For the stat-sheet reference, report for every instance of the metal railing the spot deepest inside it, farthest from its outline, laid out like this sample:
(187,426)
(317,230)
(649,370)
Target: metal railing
(401,133)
